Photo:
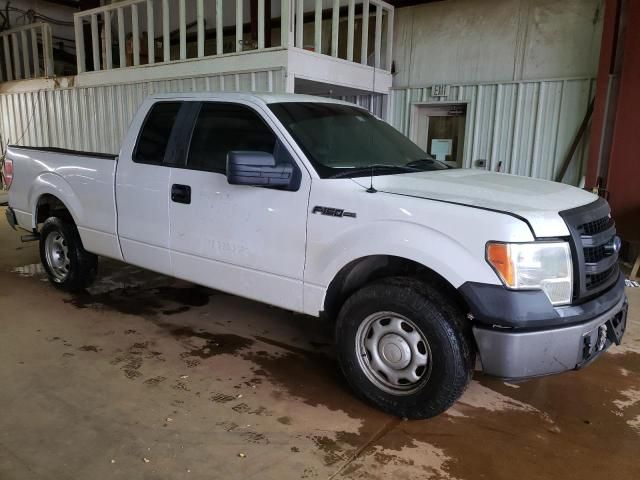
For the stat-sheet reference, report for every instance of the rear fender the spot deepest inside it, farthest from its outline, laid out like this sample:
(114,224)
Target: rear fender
(54,184)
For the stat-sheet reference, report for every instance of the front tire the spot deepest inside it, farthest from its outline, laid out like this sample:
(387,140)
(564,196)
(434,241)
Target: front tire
(405,347)
(68,265)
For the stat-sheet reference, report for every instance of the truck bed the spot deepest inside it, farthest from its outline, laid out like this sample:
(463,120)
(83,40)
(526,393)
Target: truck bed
(84,180)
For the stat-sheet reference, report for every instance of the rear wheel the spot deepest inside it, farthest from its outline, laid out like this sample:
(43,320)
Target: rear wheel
(405,347)
(68,265)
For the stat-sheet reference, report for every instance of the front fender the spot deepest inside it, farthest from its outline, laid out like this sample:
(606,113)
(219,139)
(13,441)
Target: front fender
(445,255)
(53,184)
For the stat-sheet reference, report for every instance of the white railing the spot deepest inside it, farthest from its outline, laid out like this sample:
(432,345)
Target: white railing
(27,52)
(360,13)
(138,44)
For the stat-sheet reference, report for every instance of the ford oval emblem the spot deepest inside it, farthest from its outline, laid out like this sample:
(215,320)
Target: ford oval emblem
(617,244)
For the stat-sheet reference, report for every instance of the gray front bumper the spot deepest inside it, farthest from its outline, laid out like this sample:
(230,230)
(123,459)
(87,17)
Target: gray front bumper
(514,355)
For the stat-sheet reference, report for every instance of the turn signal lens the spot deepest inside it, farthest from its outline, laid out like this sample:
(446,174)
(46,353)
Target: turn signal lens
(498,255)
(542,266)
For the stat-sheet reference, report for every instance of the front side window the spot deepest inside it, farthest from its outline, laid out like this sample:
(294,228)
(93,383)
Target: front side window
(221,128)
(342,141)
(155,133)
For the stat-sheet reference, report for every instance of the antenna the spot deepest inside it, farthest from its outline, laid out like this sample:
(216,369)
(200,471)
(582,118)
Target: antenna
(371,189)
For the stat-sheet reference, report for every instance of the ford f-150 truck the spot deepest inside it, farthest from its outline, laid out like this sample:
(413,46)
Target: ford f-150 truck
(316,206)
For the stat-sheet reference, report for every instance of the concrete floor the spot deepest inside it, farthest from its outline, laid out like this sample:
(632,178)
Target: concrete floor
(148,377)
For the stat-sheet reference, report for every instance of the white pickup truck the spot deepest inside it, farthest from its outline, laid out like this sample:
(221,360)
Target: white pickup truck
(316,206)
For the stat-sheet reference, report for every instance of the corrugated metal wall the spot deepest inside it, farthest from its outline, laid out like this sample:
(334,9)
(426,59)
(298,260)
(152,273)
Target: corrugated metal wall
(96,118)
(528,126)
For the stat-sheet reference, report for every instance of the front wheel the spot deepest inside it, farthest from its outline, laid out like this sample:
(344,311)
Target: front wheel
(68,265)
(405,347)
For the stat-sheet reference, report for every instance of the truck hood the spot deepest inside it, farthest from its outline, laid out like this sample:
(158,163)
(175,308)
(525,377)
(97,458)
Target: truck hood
(537,201)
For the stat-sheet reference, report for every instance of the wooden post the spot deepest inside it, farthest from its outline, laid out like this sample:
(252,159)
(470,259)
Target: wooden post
(79,34)
(166,39)
(350,28)
(318,27)
(200,22)
(7,57)
(135,33)
(261,21)
(389,50)
(335,24)
(151,42)
(299,23)
(95,42)
(239,25)
(378,37)
(34,52)
(17,68)
(219,28)
(25,54)
(121,40)
(285,22)
(364,52)
(182,14)
(108,54)
(47,50)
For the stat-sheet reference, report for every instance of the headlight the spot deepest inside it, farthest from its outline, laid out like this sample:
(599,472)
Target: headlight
(539,265)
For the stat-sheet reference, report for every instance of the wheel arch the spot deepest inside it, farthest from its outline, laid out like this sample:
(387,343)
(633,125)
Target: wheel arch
(46,197)
(370,268)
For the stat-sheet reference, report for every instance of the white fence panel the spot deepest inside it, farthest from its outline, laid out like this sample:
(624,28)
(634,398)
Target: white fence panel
(27,52)
(96,118)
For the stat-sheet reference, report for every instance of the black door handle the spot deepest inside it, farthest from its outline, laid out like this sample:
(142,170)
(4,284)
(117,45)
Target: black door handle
(181,193)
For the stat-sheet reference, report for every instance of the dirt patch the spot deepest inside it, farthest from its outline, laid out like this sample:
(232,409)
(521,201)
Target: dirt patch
(131,360)
(284,420)
(214,343)
(90,348)
(146,302)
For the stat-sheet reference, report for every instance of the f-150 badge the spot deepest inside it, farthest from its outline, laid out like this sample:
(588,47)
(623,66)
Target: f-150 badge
(332,212)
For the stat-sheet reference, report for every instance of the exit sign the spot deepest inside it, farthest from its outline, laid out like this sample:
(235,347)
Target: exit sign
(440,91)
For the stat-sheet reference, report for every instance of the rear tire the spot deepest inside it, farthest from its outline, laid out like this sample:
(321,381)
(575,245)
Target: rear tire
(68,265)
(405,347)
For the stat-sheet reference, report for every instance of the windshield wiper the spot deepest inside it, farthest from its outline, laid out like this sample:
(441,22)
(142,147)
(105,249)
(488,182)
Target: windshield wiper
(428,163)
(370,170)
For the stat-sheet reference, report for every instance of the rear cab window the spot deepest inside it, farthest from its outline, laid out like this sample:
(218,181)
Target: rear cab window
(156,132)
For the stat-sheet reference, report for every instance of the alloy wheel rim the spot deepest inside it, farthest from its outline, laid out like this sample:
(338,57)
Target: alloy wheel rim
(393,353)
(57,255)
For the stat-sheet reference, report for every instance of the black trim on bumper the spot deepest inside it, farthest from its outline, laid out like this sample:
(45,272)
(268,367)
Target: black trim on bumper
(495,305)
(11,217)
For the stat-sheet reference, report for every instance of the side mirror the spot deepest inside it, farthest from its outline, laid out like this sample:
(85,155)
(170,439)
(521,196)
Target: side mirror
(258,169)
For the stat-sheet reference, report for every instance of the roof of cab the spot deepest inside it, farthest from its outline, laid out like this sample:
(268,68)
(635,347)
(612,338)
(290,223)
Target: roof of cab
(260,97)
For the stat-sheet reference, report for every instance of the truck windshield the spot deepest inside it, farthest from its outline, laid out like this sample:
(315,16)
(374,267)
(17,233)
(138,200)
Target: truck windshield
(344,141)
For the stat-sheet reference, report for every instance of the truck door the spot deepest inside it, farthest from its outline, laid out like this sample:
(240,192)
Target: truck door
(142,183)
(239,239)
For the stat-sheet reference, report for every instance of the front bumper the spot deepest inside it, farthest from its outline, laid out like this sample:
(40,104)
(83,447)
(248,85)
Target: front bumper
(531,353)
(11,217)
